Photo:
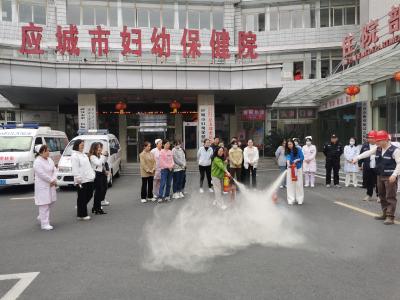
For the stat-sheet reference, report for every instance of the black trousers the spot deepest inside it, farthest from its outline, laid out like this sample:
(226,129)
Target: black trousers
(85,193)
(100,190)
(335,166)
(147,188)
(251,172)
(371,181)
(205,170)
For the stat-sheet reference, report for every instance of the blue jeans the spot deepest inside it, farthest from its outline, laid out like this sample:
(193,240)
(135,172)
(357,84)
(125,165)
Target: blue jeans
(178,181)
(165,184)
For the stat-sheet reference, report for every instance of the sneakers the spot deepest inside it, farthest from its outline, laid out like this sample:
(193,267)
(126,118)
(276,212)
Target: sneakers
(328,185)
(281,186)
(306,185)
(223,207)
(87,218)
(175,196)
(211,190)
(181,195)
(143,200)
(378,199)
(389,221)
(47,227)
(201,191)
(152,199)
(167,199)
(312,186)
(367,198)
(105,203)
(160,200)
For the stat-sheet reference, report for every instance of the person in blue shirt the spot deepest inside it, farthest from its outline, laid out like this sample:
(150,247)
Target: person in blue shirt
(294,188)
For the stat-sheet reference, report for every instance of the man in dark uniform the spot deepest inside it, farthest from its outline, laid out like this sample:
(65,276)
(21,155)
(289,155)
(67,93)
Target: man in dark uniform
(368,166)
(333,151)
(387,168)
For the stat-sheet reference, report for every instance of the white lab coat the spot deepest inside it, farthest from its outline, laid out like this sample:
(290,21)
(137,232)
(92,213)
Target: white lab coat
(45,173)
(309,153)
(349,154)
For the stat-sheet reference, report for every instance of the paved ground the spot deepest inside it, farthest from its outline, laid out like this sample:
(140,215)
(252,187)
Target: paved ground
(347,254)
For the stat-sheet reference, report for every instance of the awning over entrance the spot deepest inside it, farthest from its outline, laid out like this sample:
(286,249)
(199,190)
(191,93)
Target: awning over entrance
(373,69)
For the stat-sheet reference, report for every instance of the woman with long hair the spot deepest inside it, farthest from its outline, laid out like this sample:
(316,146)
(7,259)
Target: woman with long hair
(281,160)
(147,171)
(294,177)
(166,166)
(98,162)
(179,170)
(218,170)
(83,178)
(204,156)
(45,185)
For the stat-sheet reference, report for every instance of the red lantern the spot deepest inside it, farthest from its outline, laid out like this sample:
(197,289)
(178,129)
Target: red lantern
(175,105)
(120,106)
(352,90)
(397,76)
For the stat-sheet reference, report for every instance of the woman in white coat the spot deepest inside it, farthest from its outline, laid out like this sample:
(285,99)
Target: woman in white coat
(45,185)
(310,163)
(351,151)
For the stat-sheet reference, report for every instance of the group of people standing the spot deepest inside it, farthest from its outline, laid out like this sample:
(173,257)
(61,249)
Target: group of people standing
(90,173)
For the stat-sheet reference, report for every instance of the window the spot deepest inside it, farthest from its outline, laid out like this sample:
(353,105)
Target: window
(350,16)
(284,20)
(16,143)
(113,16)
(337,16)
(6,10)
(339,12)
(32,12)
(129,17)
(205,20)
(324,16)
(101,15)
(261,22)
(273,19)
(193,19)
(298,70)
(52,144)
(73,14)
(38,141)
(297,18)
(310,22)
(25,12)
(182,18)
(154,18)
(143,17)
(250,23)
(218,19)
(88,15)
(168,17)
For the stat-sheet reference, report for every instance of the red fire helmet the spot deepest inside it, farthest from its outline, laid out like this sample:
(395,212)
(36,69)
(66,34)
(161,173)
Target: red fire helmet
(371,134)
(381,135)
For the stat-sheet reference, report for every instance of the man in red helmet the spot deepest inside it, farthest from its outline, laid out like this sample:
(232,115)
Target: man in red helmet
(387,158)
(368,166)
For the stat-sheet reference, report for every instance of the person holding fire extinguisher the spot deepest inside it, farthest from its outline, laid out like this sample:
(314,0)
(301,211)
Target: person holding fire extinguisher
(218,171)
(294,177)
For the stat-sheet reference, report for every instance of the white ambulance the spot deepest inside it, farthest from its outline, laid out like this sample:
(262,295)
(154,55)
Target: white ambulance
(110,144)
(17,150)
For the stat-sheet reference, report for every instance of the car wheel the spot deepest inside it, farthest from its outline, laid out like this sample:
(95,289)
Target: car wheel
(110,183)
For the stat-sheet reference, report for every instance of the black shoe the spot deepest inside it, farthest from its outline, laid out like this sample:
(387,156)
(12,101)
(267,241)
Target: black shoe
(100,212)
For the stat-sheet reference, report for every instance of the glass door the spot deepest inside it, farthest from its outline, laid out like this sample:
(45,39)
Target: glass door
(132,149)
(190,142)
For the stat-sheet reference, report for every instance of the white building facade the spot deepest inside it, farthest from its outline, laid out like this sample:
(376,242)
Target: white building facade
(297,44)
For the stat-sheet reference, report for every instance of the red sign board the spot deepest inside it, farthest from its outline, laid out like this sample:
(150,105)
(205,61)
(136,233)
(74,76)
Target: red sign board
(253,115)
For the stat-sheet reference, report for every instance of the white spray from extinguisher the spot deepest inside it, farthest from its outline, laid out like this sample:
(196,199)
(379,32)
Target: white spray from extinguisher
(187,236)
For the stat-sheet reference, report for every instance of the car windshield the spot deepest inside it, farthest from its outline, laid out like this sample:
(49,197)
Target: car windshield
(15,143)
(88,143)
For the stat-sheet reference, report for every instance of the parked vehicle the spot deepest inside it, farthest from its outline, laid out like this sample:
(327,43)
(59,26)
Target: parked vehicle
(110,144)
(17,150)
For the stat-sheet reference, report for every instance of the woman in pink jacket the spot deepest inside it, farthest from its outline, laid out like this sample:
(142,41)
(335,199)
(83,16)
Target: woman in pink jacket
(166,163)
(45,185)
(310,163)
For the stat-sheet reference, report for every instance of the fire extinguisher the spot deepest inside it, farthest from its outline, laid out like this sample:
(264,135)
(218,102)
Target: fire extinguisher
(226,183)
(293,170)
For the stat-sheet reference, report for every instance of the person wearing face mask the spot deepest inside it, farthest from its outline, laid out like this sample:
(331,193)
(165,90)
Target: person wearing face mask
(350,152)
(235,160)
(310,163)
(387,158)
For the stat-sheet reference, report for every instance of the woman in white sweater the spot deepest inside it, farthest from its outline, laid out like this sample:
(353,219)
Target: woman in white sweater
(251,157)
(98,162)
(83,178)
(204,156)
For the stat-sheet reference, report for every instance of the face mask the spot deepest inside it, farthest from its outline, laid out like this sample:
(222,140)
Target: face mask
(352,143)
(308,143)
(235,146)
(178,147)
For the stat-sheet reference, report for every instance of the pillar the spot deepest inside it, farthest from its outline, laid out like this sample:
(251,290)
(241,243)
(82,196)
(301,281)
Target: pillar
(123,141)
(206,119)
(179,127)
(87,108)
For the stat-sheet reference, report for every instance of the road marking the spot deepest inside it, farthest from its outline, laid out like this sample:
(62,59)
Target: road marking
(23,198)
(360,210)
(25,279)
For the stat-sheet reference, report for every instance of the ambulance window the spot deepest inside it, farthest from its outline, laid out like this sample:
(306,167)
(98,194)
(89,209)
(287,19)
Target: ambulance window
(51,143)
(38,141)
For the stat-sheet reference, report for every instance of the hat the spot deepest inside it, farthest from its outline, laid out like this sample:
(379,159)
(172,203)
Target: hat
(308,138)
(157,141)
(371,134)
(381,135)
(333,136)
